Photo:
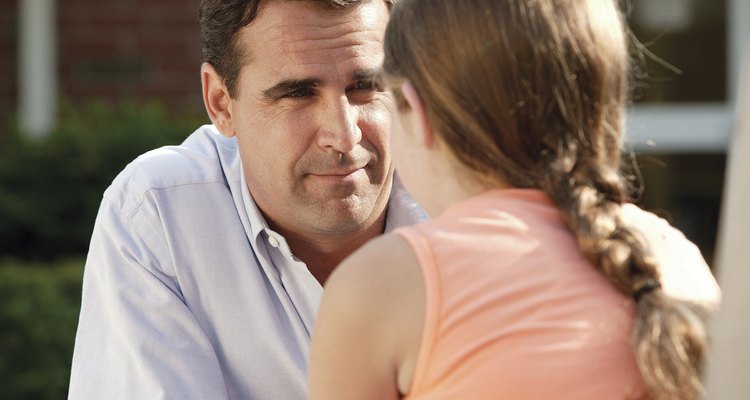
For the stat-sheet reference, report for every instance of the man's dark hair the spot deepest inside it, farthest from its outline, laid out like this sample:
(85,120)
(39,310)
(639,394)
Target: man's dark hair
(221,20)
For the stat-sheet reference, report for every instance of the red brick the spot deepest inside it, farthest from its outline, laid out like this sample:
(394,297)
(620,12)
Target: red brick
(160,36)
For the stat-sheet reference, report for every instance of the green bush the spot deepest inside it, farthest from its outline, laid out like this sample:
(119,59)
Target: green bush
(50,188)
(39,305)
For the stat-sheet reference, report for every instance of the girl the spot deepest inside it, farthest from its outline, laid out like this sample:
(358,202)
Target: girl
(537,279)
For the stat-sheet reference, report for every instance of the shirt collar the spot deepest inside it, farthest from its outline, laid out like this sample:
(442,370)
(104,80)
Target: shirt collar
(257,222)
(402,208)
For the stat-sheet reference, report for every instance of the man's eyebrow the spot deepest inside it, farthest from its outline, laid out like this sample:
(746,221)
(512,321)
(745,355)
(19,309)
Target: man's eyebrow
(370,74)
(289,85)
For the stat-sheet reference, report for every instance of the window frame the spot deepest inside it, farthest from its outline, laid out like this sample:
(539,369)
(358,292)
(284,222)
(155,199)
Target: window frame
(695,127)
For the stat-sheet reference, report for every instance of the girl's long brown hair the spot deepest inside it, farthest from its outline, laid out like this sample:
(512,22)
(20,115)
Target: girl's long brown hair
(533,92)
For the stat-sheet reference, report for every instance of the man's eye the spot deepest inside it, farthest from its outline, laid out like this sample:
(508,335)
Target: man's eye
(364,85)
(299,93)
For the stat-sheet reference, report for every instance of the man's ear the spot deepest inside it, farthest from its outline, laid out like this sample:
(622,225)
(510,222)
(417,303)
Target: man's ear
(421,126)
(216,99)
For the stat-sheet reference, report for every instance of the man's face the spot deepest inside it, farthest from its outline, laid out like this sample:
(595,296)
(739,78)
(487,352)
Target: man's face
(312,131)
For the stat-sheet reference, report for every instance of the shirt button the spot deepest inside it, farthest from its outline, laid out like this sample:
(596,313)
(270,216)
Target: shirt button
(273,241)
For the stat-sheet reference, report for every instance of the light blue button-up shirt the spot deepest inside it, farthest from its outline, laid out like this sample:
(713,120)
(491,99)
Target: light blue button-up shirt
(187,293)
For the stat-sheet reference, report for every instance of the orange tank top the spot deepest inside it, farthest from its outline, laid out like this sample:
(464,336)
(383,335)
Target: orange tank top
(514,311)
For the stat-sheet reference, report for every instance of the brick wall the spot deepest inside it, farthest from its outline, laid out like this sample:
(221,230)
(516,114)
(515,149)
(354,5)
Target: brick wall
(130,49)
(114,49)
(8,59)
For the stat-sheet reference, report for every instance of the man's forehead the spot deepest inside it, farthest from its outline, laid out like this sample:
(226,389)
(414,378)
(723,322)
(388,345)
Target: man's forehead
(295,42)
(305,25)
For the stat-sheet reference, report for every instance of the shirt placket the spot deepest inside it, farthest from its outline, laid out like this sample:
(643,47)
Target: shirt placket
(300,285)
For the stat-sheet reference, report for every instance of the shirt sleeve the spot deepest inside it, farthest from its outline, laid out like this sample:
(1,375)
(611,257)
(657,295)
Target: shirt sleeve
(684,272)
(136,337)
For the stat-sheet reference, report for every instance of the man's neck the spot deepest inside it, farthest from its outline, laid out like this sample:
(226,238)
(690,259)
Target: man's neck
(323,254)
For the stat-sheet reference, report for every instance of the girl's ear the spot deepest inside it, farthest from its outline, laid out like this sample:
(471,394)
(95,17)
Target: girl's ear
(420,126)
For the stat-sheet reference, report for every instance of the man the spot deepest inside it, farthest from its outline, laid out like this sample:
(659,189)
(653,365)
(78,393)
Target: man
(207,259)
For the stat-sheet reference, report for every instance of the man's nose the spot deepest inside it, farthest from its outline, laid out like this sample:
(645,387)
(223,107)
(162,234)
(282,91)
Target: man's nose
(339,129)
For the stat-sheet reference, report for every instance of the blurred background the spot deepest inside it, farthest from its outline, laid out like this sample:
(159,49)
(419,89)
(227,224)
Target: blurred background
(86,86)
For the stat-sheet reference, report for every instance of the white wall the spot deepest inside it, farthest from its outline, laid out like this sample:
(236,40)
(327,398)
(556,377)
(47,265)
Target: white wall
(728,376)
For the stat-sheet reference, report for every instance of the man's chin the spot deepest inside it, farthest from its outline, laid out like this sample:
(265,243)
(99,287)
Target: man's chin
(347,214)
